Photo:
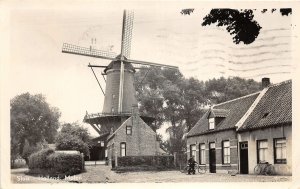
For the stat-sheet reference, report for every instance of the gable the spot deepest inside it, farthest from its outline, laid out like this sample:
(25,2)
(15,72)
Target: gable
(133,121)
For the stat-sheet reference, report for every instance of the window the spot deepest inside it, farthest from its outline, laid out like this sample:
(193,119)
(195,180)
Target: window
(129,130)
(193,150)
(113,96)
(101,143)
(280,150)
(211,122)
(202,154)
(123,149)
(262,148)
(226,152)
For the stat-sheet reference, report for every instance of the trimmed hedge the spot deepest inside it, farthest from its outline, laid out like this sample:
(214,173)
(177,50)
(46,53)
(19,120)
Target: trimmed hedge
(39,160)
(160,162)
(55,164)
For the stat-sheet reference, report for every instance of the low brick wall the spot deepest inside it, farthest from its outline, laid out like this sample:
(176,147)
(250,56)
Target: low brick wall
(152,161)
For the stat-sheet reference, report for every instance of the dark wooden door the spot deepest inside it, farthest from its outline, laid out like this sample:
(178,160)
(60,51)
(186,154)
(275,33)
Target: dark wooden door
(212,158)
(244,158)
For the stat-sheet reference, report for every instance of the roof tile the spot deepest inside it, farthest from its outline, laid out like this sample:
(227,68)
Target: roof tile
(234,109)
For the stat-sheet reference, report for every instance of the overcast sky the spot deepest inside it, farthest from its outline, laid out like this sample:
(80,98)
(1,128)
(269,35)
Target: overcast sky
(160,34)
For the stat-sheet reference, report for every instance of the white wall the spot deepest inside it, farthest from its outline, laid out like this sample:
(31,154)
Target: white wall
(269,134)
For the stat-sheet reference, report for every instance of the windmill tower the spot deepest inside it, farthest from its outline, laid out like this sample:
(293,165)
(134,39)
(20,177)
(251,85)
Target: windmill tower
(120,91)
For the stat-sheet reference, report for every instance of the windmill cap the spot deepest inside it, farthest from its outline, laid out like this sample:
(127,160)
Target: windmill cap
(117,65)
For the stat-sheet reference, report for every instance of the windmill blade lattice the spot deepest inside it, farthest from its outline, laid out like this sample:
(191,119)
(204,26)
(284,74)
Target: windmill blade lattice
(74,49)
(127,33)
(139,62)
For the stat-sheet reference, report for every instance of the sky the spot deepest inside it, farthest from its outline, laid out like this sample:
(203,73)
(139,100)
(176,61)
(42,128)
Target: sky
(160,34)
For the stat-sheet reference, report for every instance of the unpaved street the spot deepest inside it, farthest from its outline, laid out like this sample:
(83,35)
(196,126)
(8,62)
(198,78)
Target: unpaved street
(103,174)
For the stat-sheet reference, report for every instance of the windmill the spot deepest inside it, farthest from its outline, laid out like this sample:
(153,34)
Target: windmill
(119,92)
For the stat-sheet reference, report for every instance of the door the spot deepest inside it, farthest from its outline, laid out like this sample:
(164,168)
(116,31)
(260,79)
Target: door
(244,158)
(212,157)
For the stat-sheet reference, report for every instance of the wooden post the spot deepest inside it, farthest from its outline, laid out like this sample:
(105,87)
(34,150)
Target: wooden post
(175,159)
(116,159)
(83,162)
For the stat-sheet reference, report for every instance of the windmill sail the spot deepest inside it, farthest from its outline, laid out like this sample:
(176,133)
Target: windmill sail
(118,73)
(125,51)
(84,51)
(127,33)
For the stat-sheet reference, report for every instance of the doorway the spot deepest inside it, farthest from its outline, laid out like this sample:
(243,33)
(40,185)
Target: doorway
(212,157)
(244,167)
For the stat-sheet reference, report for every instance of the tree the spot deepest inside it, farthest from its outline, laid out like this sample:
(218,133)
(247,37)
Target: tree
(149,94)
(221,90)
(33,120)
(73,136)
(169,97)
(239,23)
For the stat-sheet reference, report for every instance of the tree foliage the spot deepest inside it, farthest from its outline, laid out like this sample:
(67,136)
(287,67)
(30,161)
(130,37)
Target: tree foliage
(170,98)
(222,89)
(238,23)
(72,136)
(33,121)
(186,11)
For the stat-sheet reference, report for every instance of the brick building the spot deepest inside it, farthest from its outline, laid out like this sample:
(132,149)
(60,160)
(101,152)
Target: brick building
(213,140)
(133,138)
(240,133)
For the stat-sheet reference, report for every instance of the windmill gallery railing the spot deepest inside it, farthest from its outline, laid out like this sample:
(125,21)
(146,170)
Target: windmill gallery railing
(103,114)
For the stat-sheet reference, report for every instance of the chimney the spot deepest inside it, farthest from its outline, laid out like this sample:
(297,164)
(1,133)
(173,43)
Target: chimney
(135,110)
(265,82)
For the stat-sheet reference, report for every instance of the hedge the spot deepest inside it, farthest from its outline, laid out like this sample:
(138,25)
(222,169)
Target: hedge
(161,162)
(55,164)
(39,160)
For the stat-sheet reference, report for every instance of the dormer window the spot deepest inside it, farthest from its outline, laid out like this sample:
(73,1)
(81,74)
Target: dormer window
(211,123)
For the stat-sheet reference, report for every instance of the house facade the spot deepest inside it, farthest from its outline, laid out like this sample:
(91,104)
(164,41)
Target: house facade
(213,140)
(238,134)
(133,138)
(267,131)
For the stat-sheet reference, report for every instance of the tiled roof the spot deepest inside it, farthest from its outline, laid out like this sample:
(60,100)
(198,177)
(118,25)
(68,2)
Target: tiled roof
(234,110)
(274,108)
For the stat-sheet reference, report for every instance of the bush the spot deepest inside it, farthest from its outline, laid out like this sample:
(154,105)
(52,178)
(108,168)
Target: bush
(66,141)
(30,149)
(40,159)
(66,164)
(55,164)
